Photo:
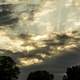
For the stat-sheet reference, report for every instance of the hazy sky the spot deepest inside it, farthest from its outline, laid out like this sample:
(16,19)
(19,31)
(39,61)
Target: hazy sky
(51,15)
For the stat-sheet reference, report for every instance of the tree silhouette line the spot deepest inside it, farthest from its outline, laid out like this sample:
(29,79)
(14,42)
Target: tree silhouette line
(10,71)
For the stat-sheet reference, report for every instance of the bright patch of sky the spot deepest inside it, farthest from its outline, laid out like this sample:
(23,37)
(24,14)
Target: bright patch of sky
(35,1)
(59,15)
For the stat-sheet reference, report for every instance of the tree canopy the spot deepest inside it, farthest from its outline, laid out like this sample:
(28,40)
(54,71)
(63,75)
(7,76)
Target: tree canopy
(40,75)
(72,73)
(8,68)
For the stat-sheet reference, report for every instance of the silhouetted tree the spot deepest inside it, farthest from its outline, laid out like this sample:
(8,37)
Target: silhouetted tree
(40,75)
(72,73)
(8,68)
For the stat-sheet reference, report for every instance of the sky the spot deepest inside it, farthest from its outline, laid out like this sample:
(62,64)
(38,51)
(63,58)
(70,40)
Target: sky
(39,17)
(51,15)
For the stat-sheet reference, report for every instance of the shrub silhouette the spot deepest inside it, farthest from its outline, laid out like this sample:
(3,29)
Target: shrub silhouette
(8,68)
(40,75)
(72,73)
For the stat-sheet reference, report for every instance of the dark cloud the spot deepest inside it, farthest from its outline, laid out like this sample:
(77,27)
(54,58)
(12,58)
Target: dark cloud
(6,17)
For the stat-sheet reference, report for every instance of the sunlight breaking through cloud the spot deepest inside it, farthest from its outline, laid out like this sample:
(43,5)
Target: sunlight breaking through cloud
(38,48)
(27,62)
(41,28)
